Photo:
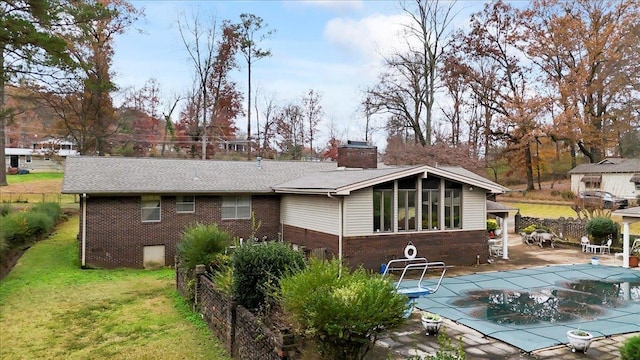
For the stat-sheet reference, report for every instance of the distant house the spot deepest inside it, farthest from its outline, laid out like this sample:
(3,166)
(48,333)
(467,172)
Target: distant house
(618,176)
(134,210)
(46,155)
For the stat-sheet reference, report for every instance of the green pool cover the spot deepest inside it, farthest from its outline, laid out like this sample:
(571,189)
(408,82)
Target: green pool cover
(534,308)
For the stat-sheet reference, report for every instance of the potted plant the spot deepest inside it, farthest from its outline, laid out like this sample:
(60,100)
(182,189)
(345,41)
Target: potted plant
(431,322)
(579,340)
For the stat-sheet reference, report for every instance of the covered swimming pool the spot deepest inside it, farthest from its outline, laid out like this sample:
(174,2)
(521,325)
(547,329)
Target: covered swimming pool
(534,308)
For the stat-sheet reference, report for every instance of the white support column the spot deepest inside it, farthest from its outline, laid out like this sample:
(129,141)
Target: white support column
(625,245)
(505,238)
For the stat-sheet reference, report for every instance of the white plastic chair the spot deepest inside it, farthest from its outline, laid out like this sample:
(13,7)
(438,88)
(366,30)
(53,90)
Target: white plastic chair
(584,241)
(602,248)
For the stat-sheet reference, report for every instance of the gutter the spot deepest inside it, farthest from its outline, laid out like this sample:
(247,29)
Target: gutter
(83,262)
(340,229)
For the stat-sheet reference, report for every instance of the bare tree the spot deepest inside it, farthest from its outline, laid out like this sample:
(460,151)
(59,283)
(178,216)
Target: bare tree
(312,112)
(199,42)
(430,26)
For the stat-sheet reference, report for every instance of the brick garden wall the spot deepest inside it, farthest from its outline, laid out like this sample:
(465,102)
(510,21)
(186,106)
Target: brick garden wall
(242,333)
(116,234)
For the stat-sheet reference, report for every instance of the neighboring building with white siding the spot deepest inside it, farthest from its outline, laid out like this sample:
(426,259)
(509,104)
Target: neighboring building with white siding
(618,176)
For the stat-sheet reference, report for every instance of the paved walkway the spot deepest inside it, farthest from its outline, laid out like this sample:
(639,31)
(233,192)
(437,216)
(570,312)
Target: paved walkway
(411,340)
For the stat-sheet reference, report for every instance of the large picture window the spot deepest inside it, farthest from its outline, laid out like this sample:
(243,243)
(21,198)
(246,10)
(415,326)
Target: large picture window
(452,205)
(407,204)
(236,207)
(150,205)
(185,204)
(430,204)
(383,207)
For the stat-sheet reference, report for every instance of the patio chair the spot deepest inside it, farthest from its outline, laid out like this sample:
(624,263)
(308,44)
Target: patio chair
(495,248)
(584,242)
(602,248)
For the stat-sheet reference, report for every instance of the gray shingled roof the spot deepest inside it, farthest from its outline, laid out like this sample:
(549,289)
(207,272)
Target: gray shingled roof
(341,178)
(117,175)
(610,165)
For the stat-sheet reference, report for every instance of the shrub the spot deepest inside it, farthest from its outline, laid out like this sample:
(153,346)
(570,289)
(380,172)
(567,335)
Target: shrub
(630,349)
(14,229)
(52,210)
(257,269)
(601,227)
(343,312)
(5,209)
(201,244)
(38,224)
(529,229)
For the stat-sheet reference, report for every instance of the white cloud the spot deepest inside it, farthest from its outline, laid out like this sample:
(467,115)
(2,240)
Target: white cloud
(371,36)
(339,5)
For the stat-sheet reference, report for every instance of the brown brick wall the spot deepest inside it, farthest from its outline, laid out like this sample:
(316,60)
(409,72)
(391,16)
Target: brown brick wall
(453,248)
(116,234)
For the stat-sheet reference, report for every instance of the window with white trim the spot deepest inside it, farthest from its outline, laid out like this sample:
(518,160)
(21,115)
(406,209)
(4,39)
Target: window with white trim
(236,207)
(383,207)
(150,205)
(185,204)
(28,158)
(452,205)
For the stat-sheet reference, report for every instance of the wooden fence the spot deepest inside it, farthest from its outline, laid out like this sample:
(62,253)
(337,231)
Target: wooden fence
(35,197)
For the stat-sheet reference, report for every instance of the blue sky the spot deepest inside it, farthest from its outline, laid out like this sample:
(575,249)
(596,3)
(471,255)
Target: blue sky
(332,47)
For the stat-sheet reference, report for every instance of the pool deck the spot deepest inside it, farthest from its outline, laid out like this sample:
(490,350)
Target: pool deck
(411,340)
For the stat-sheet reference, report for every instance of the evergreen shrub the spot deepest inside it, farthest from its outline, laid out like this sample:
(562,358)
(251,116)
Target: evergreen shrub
(630,349)
(341,311)
(257,269)
(601,227)
(202,244)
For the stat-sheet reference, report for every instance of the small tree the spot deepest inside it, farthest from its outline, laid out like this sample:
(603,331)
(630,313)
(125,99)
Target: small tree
(343,314)
(601,227)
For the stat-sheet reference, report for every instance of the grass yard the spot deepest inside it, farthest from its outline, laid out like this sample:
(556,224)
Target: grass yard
(35,188)
(52,309)
(17,179)
(547,211)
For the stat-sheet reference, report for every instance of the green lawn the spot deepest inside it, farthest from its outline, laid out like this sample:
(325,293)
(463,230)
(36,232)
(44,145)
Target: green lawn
(51,309)
(16,179)
(545,211)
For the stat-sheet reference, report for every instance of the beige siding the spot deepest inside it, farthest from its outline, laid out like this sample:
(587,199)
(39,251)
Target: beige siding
(318,213)
(474,210)
(358,213)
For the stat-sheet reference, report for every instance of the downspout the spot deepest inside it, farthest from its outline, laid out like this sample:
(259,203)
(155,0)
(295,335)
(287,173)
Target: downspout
(84,230)
(340,229)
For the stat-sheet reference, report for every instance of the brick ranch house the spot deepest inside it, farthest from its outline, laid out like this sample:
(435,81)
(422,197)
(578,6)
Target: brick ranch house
(133,210)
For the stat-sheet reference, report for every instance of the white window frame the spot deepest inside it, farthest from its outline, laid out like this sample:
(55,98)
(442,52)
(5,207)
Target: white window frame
(149,204)
(27,159)
(185,204)
(236,207)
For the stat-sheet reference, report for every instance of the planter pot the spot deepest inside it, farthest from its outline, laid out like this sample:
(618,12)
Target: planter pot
(633,261)
(579,340)
(431,324)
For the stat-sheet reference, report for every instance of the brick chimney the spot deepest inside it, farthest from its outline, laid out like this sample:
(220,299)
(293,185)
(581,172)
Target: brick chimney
(357,154)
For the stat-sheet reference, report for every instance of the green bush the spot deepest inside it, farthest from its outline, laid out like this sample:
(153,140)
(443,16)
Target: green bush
(202,245)
(52,210)
(257,269)
(341,311)
(601,227)
(19,228)
(5,209)
(630,349)
(38,224)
